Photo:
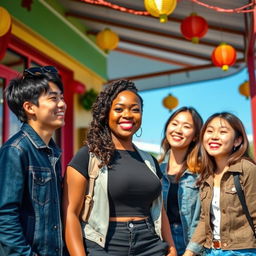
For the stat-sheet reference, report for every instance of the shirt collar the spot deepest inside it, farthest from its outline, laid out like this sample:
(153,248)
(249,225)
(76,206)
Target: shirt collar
(37,141)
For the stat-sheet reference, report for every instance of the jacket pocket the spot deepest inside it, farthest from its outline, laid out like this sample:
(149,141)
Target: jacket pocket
(41,185)
(231,190)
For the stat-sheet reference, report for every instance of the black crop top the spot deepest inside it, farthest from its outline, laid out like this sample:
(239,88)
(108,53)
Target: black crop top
(132,187)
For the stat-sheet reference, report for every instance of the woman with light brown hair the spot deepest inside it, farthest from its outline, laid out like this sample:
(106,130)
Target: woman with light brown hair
(180,191)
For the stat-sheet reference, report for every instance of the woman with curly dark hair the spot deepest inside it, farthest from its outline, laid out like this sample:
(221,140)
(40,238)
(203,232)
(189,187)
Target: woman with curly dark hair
(127,217)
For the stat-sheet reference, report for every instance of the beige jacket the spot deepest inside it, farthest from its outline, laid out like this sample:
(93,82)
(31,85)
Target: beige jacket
(97,226)
(235,231)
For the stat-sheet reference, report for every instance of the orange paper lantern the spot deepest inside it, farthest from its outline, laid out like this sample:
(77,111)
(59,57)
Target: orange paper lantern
(170,102)
(224,56)
(194,27)
(5,21)
(107,40)
(244,89)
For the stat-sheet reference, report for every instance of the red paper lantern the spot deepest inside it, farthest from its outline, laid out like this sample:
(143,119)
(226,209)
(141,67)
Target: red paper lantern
(194,27)
(78,87)
(224,56)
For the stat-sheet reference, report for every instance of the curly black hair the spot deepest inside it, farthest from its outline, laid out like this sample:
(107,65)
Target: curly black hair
(99,138)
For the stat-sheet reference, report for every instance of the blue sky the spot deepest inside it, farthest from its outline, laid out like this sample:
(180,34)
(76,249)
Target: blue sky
(207,97)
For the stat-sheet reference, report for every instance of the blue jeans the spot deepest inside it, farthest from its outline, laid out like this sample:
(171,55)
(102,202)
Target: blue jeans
(132,238)
(219,252)
(178,238)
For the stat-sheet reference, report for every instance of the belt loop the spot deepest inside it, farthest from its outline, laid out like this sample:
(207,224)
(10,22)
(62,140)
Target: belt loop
(149,223)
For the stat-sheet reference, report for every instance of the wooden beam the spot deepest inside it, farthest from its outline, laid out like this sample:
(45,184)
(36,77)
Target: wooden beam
(165,49)
(155,47)
(140,54)
(169,72)
(178,20)
(144,30)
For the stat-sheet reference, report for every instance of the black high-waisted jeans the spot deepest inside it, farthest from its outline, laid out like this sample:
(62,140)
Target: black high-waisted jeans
(132,238)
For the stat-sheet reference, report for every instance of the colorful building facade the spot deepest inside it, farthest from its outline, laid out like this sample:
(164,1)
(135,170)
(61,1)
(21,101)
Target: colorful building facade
(44,36)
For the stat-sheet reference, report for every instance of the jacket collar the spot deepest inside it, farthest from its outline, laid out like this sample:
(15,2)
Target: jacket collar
(37,141)
(237,167)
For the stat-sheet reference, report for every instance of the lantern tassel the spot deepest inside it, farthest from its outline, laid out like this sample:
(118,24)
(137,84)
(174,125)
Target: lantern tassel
(225,67)
(163,18)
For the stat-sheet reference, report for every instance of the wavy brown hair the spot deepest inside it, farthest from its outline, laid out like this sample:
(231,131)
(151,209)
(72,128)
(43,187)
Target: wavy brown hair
(198,122)
(207,162)
(99,139)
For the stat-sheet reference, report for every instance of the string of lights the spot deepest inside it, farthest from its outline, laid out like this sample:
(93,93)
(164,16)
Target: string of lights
(242,9)
(116,7)
(236,10)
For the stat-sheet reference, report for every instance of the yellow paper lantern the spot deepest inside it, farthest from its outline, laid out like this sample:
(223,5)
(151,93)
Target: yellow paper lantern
(107,40)
(5,21)
(170,102)
(160,8)
(244,89)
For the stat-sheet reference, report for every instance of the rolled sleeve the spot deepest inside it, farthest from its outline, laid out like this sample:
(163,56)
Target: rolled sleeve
(194,247)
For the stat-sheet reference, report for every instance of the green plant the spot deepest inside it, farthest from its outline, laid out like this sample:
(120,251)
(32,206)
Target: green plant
(88,98)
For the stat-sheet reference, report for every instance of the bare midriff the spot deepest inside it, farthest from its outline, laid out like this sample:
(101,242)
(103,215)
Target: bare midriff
(125,219)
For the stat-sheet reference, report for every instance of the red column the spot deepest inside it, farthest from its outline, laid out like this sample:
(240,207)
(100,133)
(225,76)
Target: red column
(251,70)
(67,138)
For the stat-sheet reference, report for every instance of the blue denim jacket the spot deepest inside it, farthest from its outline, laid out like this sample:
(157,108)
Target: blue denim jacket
(188,200)
(30,192)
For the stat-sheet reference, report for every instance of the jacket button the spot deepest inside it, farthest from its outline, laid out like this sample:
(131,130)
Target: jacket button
(224,211)
(131,225)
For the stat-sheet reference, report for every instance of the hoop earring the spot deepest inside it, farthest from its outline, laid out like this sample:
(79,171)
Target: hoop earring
(139,134)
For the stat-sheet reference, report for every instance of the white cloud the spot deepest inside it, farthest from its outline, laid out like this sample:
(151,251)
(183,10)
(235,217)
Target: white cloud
(250,138)
(154,148)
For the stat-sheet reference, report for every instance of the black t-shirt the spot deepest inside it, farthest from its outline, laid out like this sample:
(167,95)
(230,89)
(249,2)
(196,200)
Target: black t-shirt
(132,187)
(173,211)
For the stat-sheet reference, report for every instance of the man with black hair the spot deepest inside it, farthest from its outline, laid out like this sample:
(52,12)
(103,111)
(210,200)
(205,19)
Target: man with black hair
(30,167)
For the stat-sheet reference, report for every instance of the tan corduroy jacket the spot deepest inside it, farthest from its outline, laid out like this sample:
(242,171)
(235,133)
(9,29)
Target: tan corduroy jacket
(235,231)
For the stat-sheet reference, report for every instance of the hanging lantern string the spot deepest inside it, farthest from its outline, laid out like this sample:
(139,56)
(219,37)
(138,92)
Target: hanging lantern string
(116,7)
(236,10)
(145,13)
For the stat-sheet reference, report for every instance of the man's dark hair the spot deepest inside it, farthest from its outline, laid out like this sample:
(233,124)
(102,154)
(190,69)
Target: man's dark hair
(29,88)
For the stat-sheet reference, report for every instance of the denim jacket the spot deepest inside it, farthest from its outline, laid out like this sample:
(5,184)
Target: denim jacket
(97,226)
(30,192)
(188,200)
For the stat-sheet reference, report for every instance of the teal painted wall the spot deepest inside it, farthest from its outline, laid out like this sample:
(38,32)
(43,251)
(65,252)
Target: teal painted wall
(44,22)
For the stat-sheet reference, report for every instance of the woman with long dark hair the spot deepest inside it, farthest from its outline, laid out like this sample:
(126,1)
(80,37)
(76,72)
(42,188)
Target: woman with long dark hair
(223,229)
(127,217)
